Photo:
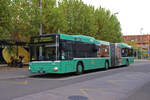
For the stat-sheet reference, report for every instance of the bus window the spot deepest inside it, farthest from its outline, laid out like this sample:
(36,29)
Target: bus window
(44,49)
(66,51)
(99,52)
(123,52)
(118,54)
(126,52)
(84,50)
(130,53)
(103,51)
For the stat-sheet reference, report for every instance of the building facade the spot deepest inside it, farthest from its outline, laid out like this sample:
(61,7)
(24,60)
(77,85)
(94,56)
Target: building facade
(142,41)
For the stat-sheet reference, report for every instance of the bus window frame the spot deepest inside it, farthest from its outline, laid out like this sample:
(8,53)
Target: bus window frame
(65,50)
(127,52)
(37,44)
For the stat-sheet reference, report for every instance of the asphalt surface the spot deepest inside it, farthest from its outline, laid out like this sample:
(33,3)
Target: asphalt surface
(142,93)
(21,87)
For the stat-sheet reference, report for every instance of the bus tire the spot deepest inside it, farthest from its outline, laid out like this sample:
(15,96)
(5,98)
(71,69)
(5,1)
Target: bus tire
(79,68)
(127,62)
(106,65)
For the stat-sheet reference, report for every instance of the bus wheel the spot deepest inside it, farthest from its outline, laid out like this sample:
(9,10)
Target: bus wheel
(106,65)
(79,69)
(127,62)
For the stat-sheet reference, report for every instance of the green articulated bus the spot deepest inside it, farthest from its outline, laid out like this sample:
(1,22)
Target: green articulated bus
(62,53)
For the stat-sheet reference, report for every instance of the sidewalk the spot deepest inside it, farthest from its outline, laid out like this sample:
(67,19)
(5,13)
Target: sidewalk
(1,65)
(141,60)
(12,72)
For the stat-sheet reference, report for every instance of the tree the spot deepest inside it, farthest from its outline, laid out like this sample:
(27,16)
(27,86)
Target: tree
(21,19)
(108,26)
(4,18)
(84,19)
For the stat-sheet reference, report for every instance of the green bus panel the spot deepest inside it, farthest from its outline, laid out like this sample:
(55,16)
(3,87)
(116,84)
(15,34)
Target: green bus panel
(66,66)
(131,60)
(44,66)
(94,63)
(124,60)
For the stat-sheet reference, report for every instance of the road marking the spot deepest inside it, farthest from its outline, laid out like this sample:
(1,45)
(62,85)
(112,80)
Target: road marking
(23,83)
(114,82)
(15,82)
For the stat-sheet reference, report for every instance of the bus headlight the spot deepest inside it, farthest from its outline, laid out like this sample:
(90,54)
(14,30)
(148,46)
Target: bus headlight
(55,69)
(29,68)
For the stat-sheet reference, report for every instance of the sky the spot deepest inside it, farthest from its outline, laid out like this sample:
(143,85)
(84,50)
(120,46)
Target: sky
(134,15)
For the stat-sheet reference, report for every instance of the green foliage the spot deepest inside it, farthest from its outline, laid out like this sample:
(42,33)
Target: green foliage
(20,19)
(4,18)
(108,26)
(132,43)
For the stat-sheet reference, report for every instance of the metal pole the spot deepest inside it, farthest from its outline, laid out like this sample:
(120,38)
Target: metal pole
(56,47)
(40,48)
(137,56)
(141,39)
(40,29)
(41,14)
(141,52)
(148,45)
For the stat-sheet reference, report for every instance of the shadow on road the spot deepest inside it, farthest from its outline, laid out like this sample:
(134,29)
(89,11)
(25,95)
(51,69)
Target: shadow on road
(61,76)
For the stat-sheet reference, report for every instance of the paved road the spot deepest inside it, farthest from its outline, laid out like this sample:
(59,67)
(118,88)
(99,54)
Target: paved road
(138,75)
(142,93)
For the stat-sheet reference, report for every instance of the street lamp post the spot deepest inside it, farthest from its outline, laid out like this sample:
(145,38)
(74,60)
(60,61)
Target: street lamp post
(141,39)
(148,45)
(41,14)
(40,49)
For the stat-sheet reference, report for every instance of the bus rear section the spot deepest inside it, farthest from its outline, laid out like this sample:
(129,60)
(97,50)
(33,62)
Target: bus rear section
(121,54)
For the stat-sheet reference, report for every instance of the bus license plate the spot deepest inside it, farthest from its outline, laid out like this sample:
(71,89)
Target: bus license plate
(41,71)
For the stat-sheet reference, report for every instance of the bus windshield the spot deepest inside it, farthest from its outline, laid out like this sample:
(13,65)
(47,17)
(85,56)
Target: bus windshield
(44,48)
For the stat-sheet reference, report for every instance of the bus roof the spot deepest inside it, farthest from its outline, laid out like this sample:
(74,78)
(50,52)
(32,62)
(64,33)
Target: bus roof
(83,38)
(104,42)
(124,45)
